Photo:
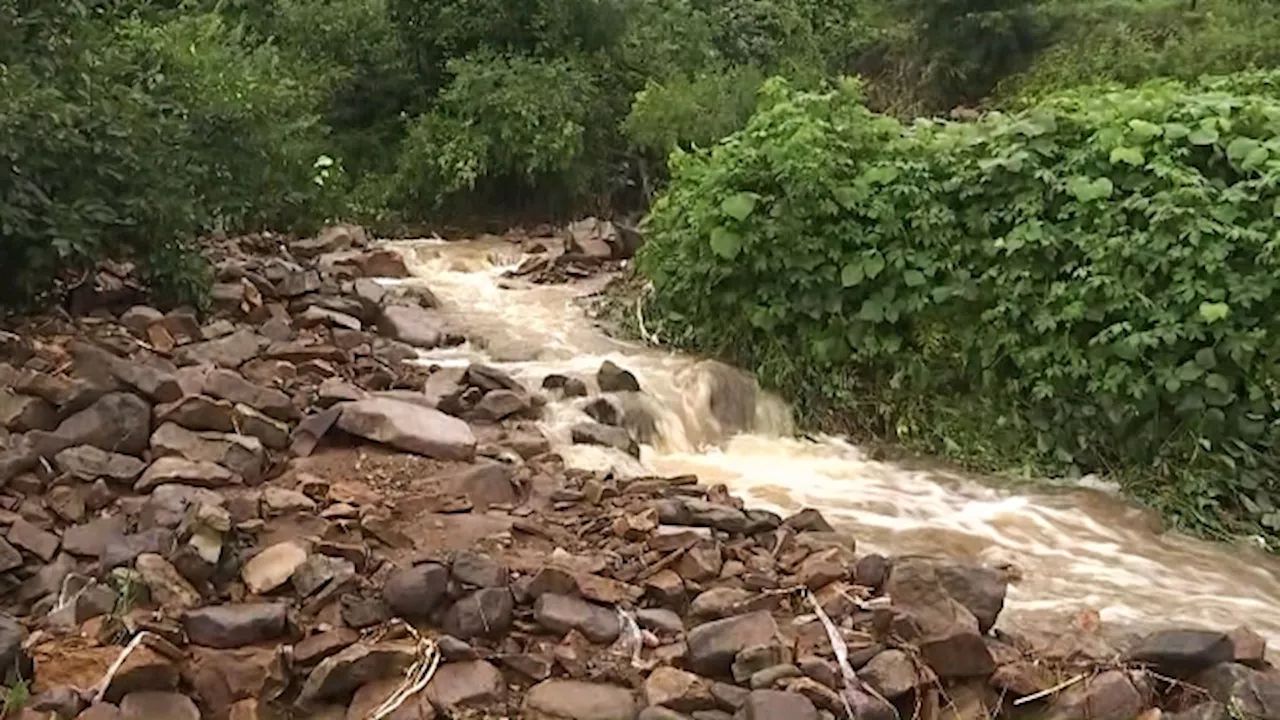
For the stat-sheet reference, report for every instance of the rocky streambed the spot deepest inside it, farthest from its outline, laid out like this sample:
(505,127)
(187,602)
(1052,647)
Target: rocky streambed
(276,510)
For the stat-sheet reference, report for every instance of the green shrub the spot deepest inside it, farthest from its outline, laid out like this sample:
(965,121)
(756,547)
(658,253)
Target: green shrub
(1132,42)
(1089,285)
(686,111)
(502,120)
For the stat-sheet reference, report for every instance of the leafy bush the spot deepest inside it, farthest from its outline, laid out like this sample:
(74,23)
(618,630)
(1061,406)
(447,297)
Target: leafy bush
(502,119)
(1089,285)
(1132,42)
(686,111)
(123,136)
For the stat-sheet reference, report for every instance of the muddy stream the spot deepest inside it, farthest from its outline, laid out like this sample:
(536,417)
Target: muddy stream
(1078,549)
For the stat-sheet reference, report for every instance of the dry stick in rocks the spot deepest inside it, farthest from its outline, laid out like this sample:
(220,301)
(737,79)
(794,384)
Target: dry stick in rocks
(841,650)
(665,562)
(115,666)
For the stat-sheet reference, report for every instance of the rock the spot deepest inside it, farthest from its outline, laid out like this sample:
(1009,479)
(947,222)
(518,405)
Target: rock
(155,705)
(316,316)
(808,520)
(821,569)
(273,433)
(282,501)
(483,613)
(560,614)
(1249,647)
(382,263)
(199,412)
(576,700)
(231,386)
(1203,711)
(10,558)
(41,543)
(180,471)
(101,711)
(660,620)
(273,567)
(475,569)
(980,589)
(116,422)
(241,454)
(315,648)
(338,677)
(713,645)
(232,626)
(821,670)
(753,659)
(231,351)
(467,684)
(409,427)
(729,697)
(612,378)
(139,318)
(944,630)
(871,571)
(414,326)
(1183,651)
(20,413)
(590,433)
(678,690)
(701,513)
(489,378)
(144,670)
(371,695)
(67,502)
(414,593)
(1249,693)
(168,588)
(604,411)
(484,484)
(333,238)
(529,665)
(719,602)
(701,562)
(88,463)
(777,705)
(657,712)
(14,661)
(499,404)
(63,702)
(1112,695)
(893,673)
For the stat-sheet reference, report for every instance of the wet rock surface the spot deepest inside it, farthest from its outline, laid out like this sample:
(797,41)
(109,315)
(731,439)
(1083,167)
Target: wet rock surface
(276,512)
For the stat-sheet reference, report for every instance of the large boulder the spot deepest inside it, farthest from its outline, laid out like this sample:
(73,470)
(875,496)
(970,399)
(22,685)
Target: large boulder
(1250,693)
(944,630)
(576,700)
(232,626)
(409,427)
(713,645)
(562,613)
(414,593)
(1183,652)
(415,326)
(116,422)
(981,590)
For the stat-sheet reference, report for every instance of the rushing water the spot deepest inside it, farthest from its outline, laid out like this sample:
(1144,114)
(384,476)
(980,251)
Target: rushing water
(1077,550)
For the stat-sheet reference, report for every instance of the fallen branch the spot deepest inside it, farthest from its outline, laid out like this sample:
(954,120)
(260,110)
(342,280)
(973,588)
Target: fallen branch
(115,666)
(1055,689)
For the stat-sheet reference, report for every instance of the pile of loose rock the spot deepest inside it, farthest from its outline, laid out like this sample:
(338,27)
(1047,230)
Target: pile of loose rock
(273,513)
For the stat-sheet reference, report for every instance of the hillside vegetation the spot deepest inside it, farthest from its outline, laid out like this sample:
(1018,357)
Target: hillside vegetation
(1079,281)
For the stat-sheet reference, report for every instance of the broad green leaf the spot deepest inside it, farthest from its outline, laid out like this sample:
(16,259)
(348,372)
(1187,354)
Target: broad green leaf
(1206,359)
(1132,156)
(913,278)
(851,274)
(1203,136)
(1275,208)
(846,196)
(726,243)
(1255,158)
(1214,381)
(873,265)
(1176,131)
(1143,130)
(1240,148)
(1189,371)
(1213,312)
(881,174)
(739,206)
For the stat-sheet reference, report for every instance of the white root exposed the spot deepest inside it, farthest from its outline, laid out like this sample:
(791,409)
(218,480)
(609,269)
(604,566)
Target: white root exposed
(416,679)
(1055,689)
(115,666)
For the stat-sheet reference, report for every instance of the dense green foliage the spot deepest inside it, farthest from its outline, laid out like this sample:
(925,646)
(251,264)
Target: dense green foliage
(1089,285)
